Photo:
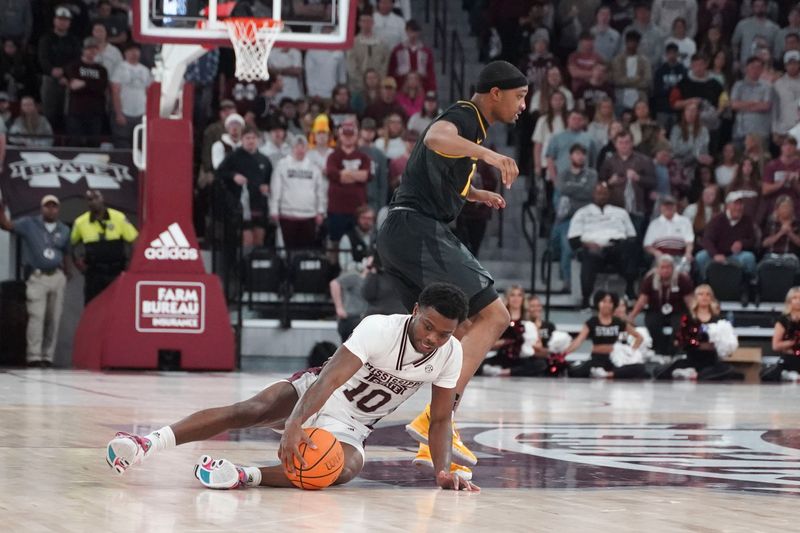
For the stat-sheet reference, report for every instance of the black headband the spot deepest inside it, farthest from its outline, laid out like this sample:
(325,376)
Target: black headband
(500,74)
(484,86)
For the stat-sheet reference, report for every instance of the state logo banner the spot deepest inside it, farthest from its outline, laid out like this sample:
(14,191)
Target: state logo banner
(31,173)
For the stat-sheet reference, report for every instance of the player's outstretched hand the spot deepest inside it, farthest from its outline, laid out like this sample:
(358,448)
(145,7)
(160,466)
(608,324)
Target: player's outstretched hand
(454,482)
(292,437)
(492,199)
(507,166)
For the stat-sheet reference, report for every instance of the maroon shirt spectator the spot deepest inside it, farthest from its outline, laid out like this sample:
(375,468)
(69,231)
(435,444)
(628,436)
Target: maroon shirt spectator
(347,170)
(720,234)
(667,294)
(87,81)
(782,176)
(413,56)
(581,62)
(387,103)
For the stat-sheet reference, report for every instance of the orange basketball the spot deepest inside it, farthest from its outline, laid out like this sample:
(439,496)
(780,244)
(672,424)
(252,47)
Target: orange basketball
(323,464)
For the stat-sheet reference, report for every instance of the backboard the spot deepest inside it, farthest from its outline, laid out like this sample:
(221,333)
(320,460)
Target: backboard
(307,23)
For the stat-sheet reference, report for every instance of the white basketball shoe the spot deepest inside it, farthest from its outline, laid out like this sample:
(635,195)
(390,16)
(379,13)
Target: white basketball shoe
(219,473)
(126,450)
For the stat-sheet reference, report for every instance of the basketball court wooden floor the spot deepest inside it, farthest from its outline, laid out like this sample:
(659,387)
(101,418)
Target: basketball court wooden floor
(556,456)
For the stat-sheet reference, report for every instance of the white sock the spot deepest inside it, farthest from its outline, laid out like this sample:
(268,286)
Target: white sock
(253,475)
(162,439)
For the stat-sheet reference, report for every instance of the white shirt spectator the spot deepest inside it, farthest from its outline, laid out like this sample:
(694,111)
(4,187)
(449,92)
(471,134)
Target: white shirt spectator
(110,57)
(391,148)
(786,91)
(297,189)
(542,133)
(418,122)
(133,81)
(283,58)
(669,234)
(601,225)
(273,152)
(724,174)
(391,28)
(324,70)
(40,129)
(319,157)
(686,49)
(664,13)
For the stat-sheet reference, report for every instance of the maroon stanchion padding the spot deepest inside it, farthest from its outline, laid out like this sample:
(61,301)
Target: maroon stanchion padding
(165,300)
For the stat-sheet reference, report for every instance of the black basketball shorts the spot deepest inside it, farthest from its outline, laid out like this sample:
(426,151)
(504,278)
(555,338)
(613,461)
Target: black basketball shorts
(416,250)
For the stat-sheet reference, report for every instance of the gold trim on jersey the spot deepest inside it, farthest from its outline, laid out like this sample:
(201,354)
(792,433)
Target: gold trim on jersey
(465,190)
(477,112)
(437,152)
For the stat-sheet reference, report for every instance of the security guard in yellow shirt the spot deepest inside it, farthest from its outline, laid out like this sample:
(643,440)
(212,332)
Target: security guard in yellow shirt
(105,234)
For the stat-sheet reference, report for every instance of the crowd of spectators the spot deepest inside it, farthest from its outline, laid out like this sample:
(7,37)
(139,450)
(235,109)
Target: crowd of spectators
(329,133)
(663,128)
(657,127)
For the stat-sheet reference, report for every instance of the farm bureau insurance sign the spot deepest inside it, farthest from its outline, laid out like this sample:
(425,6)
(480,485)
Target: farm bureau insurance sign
(170,307)
(30,173)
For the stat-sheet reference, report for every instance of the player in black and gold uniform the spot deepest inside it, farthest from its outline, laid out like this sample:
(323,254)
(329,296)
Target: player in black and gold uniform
(415,244)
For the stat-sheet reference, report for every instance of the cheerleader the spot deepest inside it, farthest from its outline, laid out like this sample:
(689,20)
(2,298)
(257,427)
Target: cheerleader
(604,330)
(702,361)
(543,327)
(786,342)
(516,348)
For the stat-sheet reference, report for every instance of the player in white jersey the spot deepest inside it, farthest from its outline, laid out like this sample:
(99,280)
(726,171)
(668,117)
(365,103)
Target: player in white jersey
(383,363)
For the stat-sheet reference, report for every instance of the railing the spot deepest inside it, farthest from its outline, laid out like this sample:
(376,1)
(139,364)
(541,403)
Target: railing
(59,140)
(224,234)
(440,30)
(530,230)
(457,67)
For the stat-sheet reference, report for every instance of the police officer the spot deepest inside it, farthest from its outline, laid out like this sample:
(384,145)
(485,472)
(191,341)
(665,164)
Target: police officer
(105,235)
(45,248)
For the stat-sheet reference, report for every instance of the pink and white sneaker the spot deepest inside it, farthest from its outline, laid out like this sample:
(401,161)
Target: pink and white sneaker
(219,473)
(126,450)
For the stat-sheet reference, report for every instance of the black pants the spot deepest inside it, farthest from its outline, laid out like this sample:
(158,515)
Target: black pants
(621,256)
(656,321)
(773,372)
(96,280)
(707,365)
(584,370)
(85,130)
(519,367)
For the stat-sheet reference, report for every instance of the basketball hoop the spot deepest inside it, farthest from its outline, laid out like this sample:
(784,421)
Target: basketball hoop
(252,40)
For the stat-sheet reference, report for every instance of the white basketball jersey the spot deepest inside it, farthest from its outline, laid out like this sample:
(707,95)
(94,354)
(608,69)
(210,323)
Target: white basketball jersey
(393,370)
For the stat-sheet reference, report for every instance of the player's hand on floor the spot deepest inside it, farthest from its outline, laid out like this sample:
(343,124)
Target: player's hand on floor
(292,437)
(455,482)
(507,166)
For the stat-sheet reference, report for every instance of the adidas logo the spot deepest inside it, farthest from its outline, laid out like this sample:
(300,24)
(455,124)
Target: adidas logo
(171,244)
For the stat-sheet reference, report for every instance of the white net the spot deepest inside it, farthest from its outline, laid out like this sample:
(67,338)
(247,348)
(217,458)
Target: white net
(252,40)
